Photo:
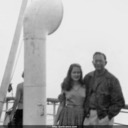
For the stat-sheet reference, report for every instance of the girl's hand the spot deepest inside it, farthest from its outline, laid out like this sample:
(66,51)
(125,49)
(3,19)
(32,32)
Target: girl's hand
(55,122)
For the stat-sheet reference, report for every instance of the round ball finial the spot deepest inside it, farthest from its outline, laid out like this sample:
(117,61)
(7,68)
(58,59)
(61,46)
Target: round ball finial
(42,17)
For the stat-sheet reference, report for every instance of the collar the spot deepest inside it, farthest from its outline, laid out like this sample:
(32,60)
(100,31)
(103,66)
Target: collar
(97,74)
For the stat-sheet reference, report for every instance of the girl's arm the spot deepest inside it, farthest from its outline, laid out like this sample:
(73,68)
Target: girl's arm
(62,101)
(58,113)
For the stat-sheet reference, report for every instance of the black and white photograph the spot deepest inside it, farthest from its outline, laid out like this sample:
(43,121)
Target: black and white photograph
(64,62)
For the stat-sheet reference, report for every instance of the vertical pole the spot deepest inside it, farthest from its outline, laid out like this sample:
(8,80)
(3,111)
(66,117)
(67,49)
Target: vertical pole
(42,18)
(35,84)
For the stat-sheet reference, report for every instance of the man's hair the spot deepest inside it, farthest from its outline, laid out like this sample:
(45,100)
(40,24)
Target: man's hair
(100,53)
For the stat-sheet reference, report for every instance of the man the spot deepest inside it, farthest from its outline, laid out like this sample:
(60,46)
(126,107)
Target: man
(104,98)
(17,110)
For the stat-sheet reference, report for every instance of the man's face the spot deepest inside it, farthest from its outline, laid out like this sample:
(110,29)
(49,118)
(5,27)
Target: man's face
(99,62)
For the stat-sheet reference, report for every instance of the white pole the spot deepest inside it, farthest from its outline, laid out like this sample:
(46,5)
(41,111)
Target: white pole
(12,55)
(42,18)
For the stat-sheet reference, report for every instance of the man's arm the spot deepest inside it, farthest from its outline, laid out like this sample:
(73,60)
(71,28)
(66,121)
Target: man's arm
(16,101)
(117,101)
(86,81)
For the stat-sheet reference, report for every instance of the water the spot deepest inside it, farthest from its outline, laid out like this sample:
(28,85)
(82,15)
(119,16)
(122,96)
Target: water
(122,118)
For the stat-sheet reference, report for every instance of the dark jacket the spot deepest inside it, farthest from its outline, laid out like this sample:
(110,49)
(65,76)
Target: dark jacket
(109,97)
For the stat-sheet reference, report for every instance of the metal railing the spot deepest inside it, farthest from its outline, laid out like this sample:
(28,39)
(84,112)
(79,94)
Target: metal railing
(124,111)
(50,101)
(54,102)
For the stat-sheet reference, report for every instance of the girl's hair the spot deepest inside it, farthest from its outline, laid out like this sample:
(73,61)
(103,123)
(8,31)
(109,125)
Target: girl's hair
(68,82)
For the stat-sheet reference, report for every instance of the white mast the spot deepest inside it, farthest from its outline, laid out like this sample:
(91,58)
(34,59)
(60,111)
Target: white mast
(42,18)
(12,55)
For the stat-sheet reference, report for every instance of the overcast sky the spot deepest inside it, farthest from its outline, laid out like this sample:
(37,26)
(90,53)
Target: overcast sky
(87,26)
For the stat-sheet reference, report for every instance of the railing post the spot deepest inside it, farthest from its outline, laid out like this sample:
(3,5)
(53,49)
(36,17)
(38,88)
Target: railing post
(7,105)
(54,111)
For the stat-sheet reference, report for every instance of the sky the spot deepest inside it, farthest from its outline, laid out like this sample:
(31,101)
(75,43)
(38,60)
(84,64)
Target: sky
(87,26)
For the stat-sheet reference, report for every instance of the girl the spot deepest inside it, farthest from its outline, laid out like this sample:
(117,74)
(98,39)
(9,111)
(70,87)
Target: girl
(70,110)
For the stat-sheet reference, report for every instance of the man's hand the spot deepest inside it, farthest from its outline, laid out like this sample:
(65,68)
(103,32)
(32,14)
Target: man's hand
(61,97)
(104,121)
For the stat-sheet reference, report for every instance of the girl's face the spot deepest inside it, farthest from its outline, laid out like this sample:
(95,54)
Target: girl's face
(76,73)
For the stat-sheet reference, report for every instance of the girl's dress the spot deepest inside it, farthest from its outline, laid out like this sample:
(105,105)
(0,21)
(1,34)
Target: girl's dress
(73,111)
